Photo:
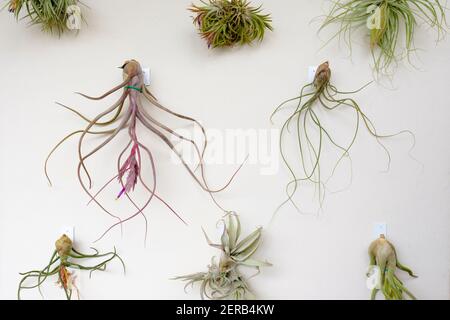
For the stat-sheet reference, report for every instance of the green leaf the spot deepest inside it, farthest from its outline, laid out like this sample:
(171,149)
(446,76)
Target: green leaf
(234,230)
(256,263)
(248,243)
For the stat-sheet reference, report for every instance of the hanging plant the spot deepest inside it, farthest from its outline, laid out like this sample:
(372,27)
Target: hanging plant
(319,96)
(54,16)
(225,23)
(64,258)
(384,257)
(384,20)
(126,118)
(223,280)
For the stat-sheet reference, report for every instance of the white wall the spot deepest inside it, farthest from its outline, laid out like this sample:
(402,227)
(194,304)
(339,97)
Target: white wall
(314,257)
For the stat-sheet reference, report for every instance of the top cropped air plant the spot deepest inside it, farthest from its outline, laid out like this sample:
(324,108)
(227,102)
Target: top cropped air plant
(126,118)
(318,97)
(54,16)
(66,257)
(223,280)
(224,23)
(382,255)
(384,20)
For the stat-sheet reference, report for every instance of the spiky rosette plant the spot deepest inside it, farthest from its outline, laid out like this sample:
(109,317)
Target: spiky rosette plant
(386,21)
(66,257)
(223,280)
(383,255)
(316,99)
(224,23)
(54,16)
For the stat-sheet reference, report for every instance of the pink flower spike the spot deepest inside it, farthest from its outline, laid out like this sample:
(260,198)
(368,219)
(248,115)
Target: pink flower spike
(132,167)
(121,193)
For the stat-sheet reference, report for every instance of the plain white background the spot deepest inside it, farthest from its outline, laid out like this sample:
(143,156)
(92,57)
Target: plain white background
(320,256)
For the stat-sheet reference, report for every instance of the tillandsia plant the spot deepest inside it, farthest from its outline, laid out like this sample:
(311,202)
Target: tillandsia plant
(383,255)
(126,118)
(54,16)
(384,20)
(315,98)
(223,280)
(64,258)
(224,23)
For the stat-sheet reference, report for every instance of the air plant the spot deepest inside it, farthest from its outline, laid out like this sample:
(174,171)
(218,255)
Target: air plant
(224,23)
(315,98)
(384,20)
(383,255)
(54,16)
(66,257)
(223,280)
(126,118)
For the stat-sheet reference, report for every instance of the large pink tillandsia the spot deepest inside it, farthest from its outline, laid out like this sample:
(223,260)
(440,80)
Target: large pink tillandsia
(129,171)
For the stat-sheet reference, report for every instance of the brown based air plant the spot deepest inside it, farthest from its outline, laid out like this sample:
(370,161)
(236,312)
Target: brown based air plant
(126,118)
(225,23)
(223,280)
(316,98)
(64,258)
(54,16)
(383,255)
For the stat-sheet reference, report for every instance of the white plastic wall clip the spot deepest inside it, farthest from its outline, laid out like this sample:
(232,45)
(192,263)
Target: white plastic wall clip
(379,229)
(68,231)
(311,73)
(147,75)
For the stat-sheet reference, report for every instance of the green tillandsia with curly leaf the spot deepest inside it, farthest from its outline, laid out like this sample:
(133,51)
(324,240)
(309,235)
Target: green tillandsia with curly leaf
(317,97)
(53,16)
(223,280)
(66,257)
(383,255)
(384,20)
(224,23)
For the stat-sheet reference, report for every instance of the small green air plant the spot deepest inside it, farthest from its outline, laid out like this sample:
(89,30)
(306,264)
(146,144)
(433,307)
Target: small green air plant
(225,23)
(223,280)
(382,255)
(54,16)
(64,258)
(386,20)
(315,98)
